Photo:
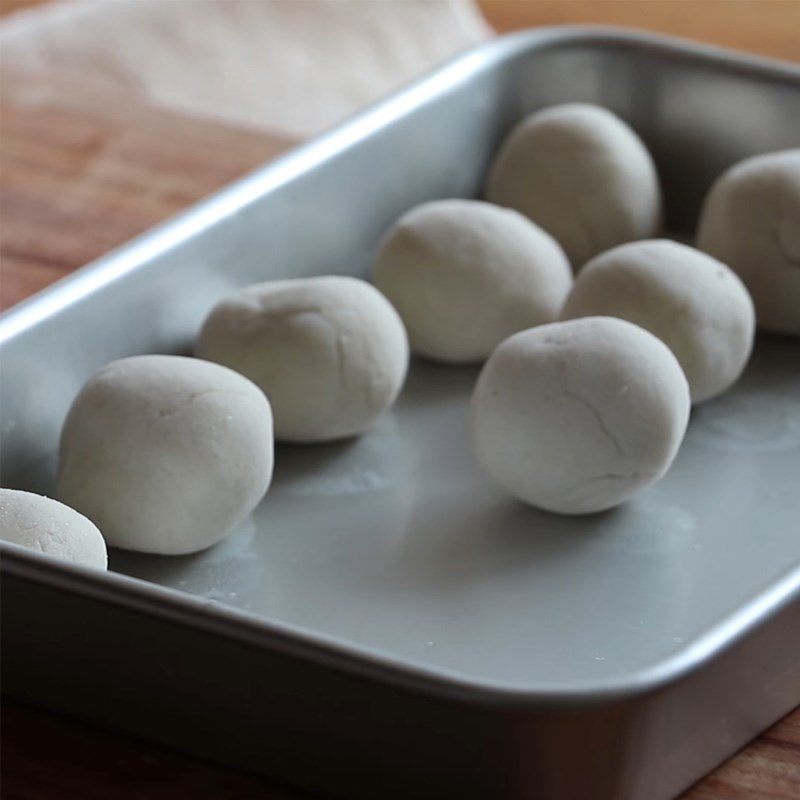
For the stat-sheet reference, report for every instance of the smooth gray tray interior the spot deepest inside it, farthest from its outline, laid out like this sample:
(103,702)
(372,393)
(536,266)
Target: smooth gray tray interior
(395,542)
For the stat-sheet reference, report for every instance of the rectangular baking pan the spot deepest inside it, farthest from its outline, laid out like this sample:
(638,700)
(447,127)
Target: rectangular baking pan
(388,624)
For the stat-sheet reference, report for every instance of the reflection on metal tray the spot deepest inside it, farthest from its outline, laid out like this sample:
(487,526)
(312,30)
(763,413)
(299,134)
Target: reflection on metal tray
(388,623)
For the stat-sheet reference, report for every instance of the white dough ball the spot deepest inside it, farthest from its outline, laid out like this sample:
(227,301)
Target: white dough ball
(691,301)
(166,454)
(48,526)
(465,275)
(582,174)
(331,353)
(751,221)
(578,416)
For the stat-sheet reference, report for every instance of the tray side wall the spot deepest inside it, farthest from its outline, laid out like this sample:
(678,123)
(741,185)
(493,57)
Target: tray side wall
(325,730)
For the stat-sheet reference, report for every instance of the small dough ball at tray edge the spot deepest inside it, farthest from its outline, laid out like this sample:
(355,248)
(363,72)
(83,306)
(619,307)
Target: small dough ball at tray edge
(42,524)
(582,174)
(166,454)
(465,275)
(751,221)
(331,353)
(576,417)
(695,304)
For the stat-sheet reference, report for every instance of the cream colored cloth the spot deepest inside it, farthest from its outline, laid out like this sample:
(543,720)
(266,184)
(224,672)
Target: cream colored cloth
(290,66)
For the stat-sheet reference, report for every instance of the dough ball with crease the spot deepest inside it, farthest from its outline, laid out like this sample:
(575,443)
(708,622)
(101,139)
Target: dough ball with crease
(578,416)
(47,526)
(751,221)
(331,352)
(465,274)
(166,454)
(581,173)
(695,304)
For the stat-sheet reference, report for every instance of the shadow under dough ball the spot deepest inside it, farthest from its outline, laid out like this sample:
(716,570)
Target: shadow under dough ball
(464,275)
(331,353)
(582,174)
(751,221)
(578,416)
(696,305)
(166,454)
(50,527)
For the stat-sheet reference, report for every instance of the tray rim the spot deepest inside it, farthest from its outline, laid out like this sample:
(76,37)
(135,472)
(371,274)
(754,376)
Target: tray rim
(213,617)
(379,665)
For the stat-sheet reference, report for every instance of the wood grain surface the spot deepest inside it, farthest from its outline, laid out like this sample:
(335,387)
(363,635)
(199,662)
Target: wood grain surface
(769,27)
(81,173)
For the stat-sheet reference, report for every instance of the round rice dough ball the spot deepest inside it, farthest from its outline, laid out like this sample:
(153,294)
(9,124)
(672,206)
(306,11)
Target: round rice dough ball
(691,301)
(578,416)
(331,353)
(751,221)
(465,275)
(166,454)
(50,527)
(583,175)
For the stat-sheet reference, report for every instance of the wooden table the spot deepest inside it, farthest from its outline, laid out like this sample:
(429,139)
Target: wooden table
(79,176)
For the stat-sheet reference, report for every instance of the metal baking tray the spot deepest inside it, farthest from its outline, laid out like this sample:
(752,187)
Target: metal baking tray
(388,624)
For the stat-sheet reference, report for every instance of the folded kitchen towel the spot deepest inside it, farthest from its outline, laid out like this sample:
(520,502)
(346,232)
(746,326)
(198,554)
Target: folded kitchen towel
(289,66)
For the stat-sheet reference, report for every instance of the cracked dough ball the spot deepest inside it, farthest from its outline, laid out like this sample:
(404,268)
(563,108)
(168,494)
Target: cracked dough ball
(48,526)
(691,301)
(465,275)
(331,353)
(166,454)
(582,174)
(751,221)
(578,416)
